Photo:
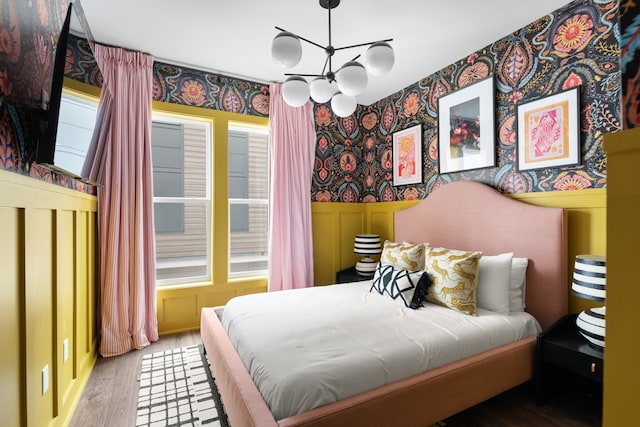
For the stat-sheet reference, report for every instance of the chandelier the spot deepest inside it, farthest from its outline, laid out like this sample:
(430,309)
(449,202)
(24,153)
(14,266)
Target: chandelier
(340,87)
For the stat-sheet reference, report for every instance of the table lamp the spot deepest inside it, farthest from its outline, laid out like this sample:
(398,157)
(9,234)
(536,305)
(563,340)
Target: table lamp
(367,245)
(589,279)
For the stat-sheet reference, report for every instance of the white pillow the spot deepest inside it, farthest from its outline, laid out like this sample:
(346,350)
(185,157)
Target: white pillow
(494,279)
(518,284)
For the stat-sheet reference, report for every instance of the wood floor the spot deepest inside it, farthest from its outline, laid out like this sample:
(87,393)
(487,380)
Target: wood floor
(109,398)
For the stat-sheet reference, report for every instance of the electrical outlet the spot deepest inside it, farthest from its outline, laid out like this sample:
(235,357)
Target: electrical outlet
(45,379)
(65,349)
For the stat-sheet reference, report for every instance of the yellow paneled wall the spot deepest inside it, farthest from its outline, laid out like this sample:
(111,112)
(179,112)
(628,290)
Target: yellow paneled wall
(621,373)
(47,260)
(335,225)
(334,228)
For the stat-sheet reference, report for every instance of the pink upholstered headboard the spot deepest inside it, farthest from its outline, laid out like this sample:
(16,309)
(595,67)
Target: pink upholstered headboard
(472,216)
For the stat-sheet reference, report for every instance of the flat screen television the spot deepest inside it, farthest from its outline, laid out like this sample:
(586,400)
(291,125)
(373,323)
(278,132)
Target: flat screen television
(47,132)
(48,123)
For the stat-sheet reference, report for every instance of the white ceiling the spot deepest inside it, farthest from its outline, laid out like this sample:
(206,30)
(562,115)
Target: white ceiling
(233,37)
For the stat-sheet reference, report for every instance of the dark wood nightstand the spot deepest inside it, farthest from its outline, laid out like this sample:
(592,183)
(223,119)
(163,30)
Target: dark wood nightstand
(350,275)
(562,348)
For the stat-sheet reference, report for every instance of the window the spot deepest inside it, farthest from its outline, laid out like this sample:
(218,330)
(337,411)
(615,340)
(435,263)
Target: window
(248,200)
(75,129)
(181,198)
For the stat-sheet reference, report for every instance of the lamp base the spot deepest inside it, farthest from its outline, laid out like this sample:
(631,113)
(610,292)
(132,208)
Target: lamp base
(366,266)
(591,325)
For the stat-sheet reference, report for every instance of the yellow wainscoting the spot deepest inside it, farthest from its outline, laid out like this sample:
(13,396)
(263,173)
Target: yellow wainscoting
(334,228)
(47,260)
(179,306)
(12,357)
(621,373)
(336,224)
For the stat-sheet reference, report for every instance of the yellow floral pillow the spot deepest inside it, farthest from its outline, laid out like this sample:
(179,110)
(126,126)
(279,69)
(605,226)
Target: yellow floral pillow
(403,256)
(454,276)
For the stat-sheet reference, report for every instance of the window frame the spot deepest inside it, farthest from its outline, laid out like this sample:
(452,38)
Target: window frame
(219,198)
(262,129)
(172,117)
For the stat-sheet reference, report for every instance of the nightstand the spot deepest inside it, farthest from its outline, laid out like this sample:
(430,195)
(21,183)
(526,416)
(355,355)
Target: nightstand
(350,275)
(561,349)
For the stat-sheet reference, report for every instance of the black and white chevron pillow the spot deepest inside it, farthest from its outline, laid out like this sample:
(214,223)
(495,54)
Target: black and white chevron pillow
(410,287)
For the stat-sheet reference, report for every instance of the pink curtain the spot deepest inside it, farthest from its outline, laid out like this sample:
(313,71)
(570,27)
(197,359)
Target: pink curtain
(119,159)
(292,144)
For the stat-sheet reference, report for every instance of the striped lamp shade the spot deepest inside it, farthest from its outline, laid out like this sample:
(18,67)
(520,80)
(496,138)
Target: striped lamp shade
(590,277)
(367,244)
(589,280)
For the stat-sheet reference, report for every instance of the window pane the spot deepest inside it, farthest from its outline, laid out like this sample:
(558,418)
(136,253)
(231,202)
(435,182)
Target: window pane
(181,200)
(248,201)
(184,253)
(167,149)
(249,249)
(75,129)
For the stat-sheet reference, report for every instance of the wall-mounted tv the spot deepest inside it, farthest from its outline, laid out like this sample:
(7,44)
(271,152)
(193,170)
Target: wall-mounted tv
(48,125)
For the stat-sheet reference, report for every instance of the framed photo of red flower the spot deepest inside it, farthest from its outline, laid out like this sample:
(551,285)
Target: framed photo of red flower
(466,129)
(407,156)
(549,131)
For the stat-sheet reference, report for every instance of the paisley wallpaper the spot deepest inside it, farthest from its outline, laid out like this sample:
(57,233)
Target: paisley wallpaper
(180,85)
(173,84)
(630,62)
(577,45)
(28,32)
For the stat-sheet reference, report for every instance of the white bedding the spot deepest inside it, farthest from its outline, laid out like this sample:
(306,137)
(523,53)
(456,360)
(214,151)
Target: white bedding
(309,347)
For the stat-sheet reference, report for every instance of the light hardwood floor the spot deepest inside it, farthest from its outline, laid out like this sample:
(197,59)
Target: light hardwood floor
(110,396)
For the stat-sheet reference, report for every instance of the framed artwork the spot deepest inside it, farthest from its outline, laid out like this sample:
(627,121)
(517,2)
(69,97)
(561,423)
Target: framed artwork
(466,130)
(407,156)
(549,131)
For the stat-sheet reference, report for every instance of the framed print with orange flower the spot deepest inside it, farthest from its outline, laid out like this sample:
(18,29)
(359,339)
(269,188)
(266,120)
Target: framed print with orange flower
(466,129)
(407,156)
(549,131)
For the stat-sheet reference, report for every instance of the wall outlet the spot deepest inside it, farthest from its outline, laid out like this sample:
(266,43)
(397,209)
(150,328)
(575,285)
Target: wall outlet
(65,349)
(45,379)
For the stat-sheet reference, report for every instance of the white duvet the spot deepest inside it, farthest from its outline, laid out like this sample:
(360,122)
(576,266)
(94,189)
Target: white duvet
(309,347)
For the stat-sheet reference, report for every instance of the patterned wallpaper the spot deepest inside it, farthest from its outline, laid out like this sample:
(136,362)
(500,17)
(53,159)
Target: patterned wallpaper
(630,62)
(180,85)
(576,45)
(28,31)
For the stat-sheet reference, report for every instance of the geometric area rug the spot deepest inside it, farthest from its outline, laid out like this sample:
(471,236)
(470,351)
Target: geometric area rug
(177,389)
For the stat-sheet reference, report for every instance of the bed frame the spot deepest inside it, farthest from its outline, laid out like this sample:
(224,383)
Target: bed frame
(461,215)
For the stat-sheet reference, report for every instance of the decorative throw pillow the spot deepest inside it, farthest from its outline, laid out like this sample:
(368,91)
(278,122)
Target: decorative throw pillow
(454,276)
(494,280)
(410,287)
(406,256)
(518,285)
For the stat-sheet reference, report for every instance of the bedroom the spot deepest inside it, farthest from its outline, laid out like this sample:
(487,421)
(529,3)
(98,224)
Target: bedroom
(587,214)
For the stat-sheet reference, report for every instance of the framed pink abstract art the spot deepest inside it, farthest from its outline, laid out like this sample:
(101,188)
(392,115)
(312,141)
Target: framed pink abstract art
(549,131)
(407,156)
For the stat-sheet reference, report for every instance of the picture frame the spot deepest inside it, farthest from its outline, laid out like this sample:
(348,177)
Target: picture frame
(407,156)
(466,128)
(549,131)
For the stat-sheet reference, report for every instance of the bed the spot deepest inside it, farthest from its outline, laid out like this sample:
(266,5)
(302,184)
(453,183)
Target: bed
(462,215)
